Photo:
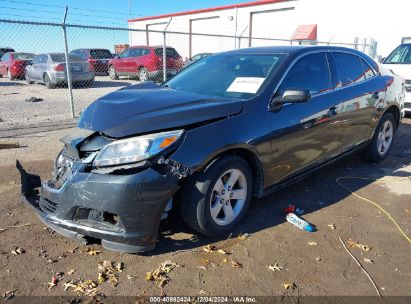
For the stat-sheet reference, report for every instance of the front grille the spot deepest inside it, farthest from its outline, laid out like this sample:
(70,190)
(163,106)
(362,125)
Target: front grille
(408,89)
(47,205)
(407,81)
(407,105)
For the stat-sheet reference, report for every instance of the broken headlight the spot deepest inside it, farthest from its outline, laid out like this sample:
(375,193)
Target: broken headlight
(135,149)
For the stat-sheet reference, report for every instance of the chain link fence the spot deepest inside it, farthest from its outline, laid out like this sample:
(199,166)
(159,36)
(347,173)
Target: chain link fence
(36,90)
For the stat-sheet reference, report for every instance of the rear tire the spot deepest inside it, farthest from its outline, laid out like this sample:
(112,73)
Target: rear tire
(211,203)
(112,72)
(28,80)
(47,82)
(381,142)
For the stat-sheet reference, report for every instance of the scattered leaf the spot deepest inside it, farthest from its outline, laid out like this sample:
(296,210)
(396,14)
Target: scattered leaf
(332,226)
(289,286)
(354,244)
(102,277)
(92,251)
(243,236)
(119,267)
(160,275)
(222,251)
(204,262)
(18,251)
(312,243)
(53,282)
(130,277)
(202,267)
(225,260)
(275,267)
(8,295)
(368,261)
(209,248)
(317,259)
(71,271)
(202,292)
(236,264)
(69,284)
(73,250)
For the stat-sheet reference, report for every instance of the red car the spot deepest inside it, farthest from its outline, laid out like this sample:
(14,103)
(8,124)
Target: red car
(145,62)
(14,64)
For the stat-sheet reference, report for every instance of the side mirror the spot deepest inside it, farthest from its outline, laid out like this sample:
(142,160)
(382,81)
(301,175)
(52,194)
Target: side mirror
(381,59)
(290,96)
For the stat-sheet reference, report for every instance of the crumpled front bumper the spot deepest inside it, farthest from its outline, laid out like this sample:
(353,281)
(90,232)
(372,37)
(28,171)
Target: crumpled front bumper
(138,200)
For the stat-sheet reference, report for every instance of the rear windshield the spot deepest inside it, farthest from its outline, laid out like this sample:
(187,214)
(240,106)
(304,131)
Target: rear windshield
(23,56)
(170,52)
(100,54)
(62,58)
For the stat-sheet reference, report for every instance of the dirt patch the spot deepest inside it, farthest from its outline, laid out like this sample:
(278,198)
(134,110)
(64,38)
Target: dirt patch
(309,263)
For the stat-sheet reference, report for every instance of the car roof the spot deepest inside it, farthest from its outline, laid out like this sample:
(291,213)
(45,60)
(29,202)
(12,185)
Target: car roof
(297,50)
(92,49)
(149,47)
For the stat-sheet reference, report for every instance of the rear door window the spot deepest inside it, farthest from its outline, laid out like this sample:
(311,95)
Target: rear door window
(310,73)
(351,68)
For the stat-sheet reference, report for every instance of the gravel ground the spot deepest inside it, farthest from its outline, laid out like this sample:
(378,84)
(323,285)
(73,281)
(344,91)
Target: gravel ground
(323,268)
(55,104)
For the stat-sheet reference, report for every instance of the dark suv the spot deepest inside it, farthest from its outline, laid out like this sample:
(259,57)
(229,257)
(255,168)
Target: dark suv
(97,58)
(145,62)
(229,127)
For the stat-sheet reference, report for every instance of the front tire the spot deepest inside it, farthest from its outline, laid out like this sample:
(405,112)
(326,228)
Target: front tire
(10,76)
(214,201)
(28,80)
(382,140)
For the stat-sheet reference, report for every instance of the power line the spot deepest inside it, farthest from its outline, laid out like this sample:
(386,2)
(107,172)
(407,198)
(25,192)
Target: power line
(74,8)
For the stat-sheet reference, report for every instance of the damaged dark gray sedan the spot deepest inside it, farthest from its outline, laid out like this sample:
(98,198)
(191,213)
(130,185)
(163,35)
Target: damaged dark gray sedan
(229,127)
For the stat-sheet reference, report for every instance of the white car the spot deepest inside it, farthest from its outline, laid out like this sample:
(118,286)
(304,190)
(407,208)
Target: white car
(399,62)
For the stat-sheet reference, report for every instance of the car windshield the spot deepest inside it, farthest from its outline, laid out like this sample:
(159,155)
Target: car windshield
(401,55)
(226,75)
(62,58)
(100,54)
(23,56)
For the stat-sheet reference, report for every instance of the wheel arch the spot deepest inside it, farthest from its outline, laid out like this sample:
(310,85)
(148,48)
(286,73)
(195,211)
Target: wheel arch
(394,110)
(250,157)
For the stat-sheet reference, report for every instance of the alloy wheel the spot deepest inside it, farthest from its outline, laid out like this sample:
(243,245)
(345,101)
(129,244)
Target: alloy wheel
(385,137)
(228,197)
(143,76)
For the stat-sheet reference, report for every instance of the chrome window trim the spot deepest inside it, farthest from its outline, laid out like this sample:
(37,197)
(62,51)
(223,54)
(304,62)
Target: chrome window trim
(326,52)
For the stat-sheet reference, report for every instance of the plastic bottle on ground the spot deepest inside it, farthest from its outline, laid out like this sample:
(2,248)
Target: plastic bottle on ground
(300,223)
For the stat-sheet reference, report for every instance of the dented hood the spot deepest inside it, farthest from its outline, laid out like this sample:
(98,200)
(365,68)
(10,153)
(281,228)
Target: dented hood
(148,107)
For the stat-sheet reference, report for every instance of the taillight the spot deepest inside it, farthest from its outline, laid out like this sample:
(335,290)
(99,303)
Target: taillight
(59,67)
(20,62)
(90,66)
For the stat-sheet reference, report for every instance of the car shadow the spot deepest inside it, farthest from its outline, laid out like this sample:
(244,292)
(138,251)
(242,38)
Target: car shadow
(311,194)
(103,84)
(11,84)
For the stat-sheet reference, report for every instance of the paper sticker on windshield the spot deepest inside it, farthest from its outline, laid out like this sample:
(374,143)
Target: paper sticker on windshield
(246,84)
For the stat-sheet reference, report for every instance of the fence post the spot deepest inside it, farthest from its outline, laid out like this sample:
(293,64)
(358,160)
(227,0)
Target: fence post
(70,89)
(165,51)
(164,57)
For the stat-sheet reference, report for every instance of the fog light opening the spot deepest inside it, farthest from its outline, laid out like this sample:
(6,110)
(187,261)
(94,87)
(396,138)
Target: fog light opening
(111,218)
